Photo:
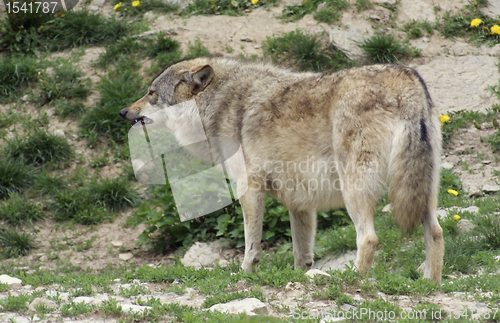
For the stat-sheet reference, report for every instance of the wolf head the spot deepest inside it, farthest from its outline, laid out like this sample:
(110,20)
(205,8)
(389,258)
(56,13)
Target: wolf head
(178,83)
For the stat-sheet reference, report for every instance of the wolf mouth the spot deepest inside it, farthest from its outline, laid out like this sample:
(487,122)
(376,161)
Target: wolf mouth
(143,120)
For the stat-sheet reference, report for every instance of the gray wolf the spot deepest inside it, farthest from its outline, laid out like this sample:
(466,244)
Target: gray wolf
(317,142)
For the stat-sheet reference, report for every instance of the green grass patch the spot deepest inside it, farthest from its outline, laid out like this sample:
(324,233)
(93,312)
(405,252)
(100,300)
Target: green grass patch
(306,52)
(72,29)
(15,177)
(39,148)
(119,89)
(329,12)
(386,48)
(224,7)
(15,243)
(362,5)
(69,109)
(15,74)
(66,82)
(18,210)
(125,7)
(418,28)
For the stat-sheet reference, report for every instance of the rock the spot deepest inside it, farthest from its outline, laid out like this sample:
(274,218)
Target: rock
(486,162)
(11,281)
(202,254)
(250,306)
(446,76)
(316,272)
(441,214)
(347,40)
(471,209)
(492,9)
(322,6)
(490,188)
(474,191)
(125,256)
(336,262)
(39,301)
(131,308)
(99,3)
(83,299)
(387,209)
(425,39)
(116,243)
(465,225)
(247,39)
(26,98)
(446,165)
(59,133)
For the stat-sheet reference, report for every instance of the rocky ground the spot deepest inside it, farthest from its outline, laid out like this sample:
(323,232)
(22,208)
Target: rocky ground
(457,74)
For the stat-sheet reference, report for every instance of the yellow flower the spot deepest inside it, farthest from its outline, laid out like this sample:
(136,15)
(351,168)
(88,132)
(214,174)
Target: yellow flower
(234,4)
(495,30)
(255,1)
(136,3)
(41,27)
(118,5)
(475,22)
(444,119)
(212,6)
(453,192)
(456,217)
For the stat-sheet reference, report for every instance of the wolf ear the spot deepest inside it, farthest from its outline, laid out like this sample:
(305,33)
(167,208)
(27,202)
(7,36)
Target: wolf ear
(200,77)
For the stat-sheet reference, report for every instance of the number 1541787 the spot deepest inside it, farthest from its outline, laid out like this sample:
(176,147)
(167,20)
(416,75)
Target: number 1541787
(30,7)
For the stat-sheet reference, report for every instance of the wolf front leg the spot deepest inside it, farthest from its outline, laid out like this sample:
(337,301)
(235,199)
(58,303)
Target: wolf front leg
(303,225)
(252,204)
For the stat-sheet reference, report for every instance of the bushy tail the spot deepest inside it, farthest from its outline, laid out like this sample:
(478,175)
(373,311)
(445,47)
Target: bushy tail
(414,161)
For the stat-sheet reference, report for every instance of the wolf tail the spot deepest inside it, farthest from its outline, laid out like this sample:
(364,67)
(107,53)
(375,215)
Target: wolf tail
(414,163)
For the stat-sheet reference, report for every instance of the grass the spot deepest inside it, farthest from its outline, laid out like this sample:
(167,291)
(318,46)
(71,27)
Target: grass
(224,7)
(67,82)
(15,177)
(16,72)
(39,148)
(386,48)
(306,52)
(418,28)
(18,210)
(15,243)
(329,12)
(126,7)
(71,29)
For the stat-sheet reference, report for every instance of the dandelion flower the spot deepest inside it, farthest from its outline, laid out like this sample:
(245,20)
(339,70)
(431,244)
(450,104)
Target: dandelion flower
(118,5)
(444,119)
(255,1)
(475,22)
(136,3)
(453,192)
(234,4)
(41,27)
(456,217)
(495,30)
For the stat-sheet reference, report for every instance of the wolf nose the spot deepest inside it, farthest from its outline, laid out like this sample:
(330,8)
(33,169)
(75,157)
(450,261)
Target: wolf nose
(123,113)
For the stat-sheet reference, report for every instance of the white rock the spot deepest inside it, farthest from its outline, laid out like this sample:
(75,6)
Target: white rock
(471,209)
(129,308)
(83,299)
(425,39)
(250,306)
(202,254)
(336,262)
(316,272)
(247,39)
(441,214)
(26,98)
(125,256)
(387,209)
(490,188)
(474,191)
(42,302)
(446,165)
(116,243)
(59,132)
(11,281)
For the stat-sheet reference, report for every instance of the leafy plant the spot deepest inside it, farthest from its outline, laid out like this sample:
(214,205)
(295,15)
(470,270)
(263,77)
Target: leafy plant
(386,48)
(16,73)
(225,7)
(19,210)
(15,244)
(66,82)
(39,148)
(307,52)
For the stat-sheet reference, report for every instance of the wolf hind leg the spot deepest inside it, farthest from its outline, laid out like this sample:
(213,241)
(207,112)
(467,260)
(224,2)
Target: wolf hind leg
(303,226)
(434,247)
(252,204)
(360,194)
